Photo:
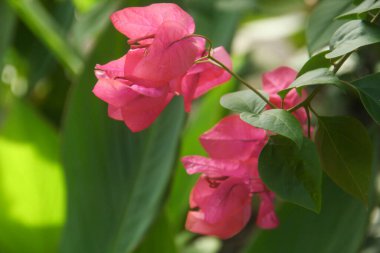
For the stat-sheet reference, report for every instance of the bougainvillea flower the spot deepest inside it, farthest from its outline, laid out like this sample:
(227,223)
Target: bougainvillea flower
(220,202)
(160,64)
(278,80)
(164,30)
(136,105)
(233,138)
(202,77)
(221,211)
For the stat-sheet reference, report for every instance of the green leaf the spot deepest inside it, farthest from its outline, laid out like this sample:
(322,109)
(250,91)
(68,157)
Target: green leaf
(116,180)
(7,25)
(339,227)
(32,195)
(43,25)
(313,77)
(293,174)
(346,153)
(278,121)
(315,62)
(244,101)
(351,36)
(319,30)
(369,92)
(364,7)
(159,238)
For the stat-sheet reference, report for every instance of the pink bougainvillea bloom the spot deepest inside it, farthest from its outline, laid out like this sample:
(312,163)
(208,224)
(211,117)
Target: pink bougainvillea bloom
(221,199)
(164,30)
(233,138)
(202,77)
(280,79)
(160,64)
(222,211)
(136,105)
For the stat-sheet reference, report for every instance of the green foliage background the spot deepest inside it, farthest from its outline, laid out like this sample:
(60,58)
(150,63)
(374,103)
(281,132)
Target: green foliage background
(74,181)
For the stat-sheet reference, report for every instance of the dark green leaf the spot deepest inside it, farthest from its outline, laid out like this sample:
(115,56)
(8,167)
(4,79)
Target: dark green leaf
(351,36)
(364,7)
(116,180)
(313,77)
(369,91)
(339,227)
(315,62)
(7,24)
(293,174)
(278,121)
(243,101)
(32,195)
(322,23)
(346,154)
(43,25)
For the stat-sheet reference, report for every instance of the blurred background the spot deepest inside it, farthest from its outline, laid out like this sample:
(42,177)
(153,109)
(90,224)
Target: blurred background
(74,181)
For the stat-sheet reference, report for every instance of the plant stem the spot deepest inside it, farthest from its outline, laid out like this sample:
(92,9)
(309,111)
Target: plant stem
(242,81)
(308,122)
(306,101)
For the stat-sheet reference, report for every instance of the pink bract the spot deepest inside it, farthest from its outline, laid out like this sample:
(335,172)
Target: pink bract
(136,105)
(221,199)
(233,138)
(165,31)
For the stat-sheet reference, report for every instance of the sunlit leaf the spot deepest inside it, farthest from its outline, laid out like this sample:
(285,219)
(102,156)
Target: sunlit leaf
(293,174)
(346,153)
(32,193)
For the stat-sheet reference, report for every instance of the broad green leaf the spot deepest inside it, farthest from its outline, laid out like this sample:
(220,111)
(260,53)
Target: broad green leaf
(315,62)
(346,153)
(313,77)
(159,238)
(369,92)
(293,174)
(364,7)
(278,121)
(32,192)
(339,227)
(43,25)
(351,36)
(322,23)
(243,101)
(116,180)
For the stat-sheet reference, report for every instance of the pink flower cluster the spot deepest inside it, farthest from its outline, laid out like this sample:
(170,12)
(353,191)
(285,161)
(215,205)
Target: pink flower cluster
(220,201)
(159,65)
